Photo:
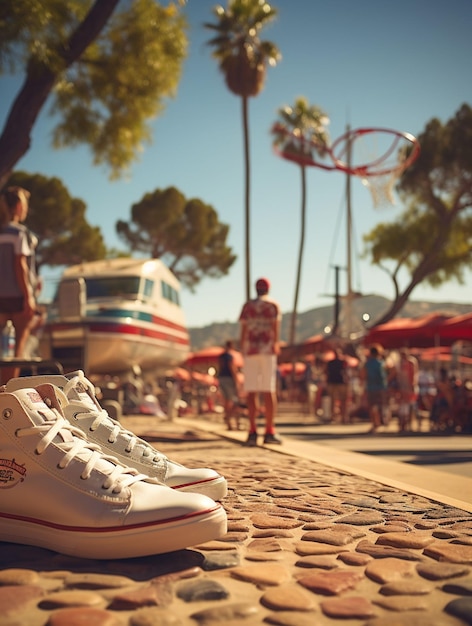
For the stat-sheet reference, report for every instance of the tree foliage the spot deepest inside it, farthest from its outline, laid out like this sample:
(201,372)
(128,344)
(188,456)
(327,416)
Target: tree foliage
(241,54)
(432,238)
(243,58)
(108,68)
(185,234)
(58,220)
(300,132)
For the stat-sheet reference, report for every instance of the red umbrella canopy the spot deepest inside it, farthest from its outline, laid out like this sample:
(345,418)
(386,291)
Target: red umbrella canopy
(316,343)
(457,328)
(414,332)
(350,360)
(204,379)
(442,354)
(180,373)
(209,356)
(287,368)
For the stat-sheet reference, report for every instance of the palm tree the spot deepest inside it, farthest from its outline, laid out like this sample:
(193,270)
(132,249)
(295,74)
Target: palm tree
(243,59)
(300,135)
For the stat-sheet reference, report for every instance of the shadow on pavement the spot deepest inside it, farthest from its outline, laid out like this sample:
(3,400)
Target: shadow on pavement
(426,457)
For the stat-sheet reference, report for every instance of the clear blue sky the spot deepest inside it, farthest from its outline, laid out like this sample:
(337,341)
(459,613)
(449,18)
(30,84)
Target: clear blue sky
(366,63)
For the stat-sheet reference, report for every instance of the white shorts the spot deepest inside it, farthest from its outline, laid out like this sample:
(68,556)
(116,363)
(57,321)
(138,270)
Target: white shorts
(260,372)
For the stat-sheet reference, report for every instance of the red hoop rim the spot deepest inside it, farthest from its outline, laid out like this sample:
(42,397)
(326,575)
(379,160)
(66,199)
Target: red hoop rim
(366,170)
(300,159)
(307,162)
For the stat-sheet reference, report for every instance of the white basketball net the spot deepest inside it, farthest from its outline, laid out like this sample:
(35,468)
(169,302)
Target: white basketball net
(385,155)
(381,188)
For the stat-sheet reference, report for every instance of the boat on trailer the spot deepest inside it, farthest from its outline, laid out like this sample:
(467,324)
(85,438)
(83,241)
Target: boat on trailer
(115,317)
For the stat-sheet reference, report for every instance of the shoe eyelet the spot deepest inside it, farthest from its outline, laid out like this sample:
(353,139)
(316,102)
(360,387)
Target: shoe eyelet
(47,402)
(7,414)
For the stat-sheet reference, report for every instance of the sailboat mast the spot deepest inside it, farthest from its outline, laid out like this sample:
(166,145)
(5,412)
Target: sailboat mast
(349,294)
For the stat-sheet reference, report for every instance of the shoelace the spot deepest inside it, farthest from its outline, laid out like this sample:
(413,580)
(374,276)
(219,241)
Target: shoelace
(101,417)
(118,476)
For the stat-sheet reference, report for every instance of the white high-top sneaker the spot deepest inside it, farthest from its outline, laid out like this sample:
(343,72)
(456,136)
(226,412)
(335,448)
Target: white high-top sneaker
(82,409)
(61,492)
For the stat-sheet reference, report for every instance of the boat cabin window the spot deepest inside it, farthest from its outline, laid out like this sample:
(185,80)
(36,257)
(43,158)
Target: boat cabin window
(128,287)
(169,293)
(148,289)
(113,287)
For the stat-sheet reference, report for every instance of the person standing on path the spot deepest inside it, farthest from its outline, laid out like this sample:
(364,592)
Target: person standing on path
(407,380)
(228,380)
(374,375)
(336,382)
(19,285)
(260,332)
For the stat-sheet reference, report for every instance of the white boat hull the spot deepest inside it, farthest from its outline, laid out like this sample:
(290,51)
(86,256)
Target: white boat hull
(110,349)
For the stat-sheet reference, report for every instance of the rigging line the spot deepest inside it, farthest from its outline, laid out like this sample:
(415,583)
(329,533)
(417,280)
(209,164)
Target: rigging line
(356,255)
(337,230)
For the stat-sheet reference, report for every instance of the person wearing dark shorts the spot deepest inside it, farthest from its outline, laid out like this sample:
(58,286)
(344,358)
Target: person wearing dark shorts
(336,381)
(374,376)
(227,378)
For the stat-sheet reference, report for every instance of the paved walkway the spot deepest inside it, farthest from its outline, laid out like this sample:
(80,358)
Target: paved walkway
(312,540)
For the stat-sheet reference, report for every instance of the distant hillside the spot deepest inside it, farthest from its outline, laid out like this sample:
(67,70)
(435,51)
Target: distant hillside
(314,321)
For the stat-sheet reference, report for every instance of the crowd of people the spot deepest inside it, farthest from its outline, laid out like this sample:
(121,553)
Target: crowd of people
(382,386)
(394,389)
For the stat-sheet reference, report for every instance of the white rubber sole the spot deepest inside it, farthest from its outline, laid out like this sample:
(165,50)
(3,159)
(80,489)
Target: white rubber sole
(214,488)
(117,543)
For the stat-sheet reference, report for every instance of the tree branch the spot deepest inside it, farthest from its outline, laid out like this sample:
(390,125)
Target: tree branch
(15,139)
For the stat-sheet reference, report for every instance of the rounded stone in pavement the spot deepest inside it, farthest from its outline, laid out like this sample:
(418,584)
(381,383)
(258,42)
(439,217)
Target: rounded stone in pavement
(227,613)
(352,608)
(462,608)
(79,617)
(331,583)
(389,569)
(288,598)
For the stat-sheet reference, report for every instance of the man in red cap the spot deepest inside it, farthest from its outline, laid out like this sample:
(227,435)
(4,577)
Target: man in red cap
(260,331)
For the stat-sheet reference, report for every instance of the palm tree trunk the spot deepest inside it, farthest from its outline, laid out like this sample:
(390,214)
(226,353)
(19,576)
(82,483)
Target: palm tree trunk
(247,165)
(300,258)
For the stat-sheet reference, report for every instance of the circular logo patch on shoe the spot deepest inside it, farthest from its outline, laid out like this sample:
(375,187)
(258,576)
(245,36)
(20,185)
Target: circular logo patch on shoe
(11,473)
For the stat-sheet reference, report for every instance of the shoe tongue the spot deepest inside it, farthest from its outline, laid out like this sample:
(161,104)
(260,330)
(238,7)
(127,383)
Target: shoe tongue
(78,392)
(34,404)
(40,413)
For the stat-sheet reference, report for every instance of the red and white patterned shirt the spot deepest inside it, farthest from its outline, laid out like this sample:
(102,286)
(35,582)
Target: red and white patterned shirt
(260,318)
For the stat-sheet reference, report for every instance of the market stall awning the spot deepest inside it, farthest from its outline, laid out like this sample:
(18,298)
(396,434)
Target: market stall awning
(414,332)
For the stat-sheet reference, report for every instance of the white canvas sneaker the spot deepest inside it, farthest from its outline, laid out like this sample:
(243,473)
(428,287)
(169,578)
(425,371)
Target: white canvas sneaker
(61,492)
(82,409)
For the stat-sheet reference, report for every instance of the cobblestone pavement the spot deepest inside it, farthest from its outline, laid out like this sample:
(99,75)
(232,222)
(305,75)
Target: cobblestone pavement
(307,544)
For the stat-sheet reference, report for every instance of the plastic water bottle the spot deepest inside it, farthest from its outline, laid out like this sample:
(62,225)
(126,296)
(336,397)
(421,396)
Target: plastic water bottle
(8,341)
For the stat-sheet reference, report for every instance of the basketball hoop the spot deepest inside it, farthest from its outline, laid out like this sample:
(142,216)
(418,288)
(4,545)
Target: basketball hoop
(378,156)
